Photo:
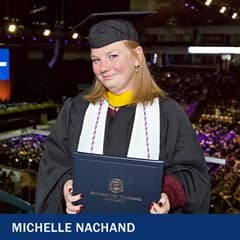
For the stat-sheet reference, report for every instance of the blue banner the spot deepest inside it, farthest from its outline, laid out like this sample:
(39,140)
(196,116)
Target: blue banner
(4,64)
(127,227)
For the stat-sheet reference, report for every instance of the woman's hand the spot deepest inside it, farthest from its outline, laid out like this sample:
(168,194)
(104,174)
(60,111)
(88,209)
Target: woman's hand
(69,198)
(162,207)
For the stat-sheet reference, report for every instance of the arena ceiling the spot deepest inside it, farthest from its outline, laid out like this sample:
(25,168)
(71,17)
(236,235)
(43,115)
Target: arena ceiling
(73,11)
(68,13)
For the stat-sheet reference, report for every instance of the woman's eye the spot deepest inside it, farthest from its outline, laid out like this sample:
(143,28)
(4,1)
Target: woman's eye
(112,56)
(95,60)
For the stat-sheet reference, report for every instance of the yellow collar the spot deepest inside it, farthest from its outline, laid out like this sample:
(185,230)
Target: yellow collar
(120,100)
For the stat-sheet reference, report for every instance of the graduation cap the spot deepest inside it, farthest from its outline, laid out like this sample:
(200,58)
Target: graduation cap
(104,28)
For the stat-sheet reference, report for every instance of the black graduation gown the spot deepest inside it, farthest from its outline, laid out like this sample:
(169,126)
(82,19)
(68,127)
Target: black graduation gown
(179,148)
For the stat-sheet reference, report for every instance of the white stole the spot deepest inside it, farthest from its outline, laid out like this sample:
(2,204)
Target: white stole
(138,146)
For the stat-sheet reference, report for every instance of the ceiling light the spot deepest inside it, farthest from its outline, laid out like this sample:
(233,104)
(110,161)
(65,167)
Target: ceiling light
(75,35)
(214,50)
(234,15)
(208,2)
(223,9)
(46,32)
(12,28)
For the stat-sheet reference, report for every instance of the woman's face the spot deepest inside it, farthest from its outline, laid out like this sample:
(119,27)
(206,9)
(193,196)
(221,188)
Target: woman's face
(114,66)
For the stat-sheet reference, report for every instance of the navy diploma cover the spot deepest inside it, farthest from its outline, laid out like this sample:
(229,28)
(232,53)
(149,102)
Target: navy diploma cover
(115,184)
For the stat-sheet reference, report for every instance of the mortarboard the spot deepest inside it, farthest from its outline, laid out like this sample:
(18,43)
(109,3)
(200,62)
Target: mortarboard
(109,27)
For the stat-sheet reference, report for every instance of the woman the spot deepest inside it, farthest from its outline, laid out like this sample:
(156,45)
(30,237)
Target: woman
(123,85)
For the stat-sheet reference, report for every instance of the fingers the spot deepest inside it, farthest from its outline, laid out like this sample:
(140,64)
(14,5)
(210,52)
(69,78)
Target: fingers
(72,208)
(70,199)
(157,208)
(161,207)
(68,187)
(73,198)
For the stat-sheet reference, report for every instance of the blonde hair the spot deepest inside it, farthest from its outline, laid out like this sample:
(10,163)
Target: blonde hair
(144,87)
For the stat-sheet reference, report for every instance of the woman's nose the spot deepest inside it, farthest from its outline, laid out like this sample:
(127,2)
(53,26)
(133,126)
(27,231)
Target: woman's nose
(104,66)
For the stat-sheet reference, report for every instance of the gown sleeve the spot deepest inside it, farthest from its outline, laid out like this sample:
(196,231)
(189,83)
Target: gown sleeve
(184,158)
(55,165)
